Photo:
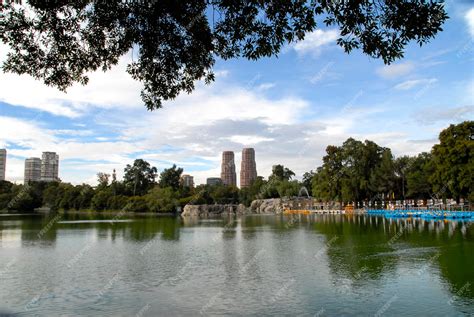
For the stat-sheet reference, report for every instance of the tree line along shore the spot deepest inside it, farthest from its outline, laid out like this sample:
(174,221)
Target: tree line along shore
(360,173)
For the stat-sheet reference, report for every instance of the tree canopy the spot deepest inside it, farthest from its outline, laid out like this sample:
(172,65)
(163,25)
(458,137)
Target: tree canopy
(280,173)
(364,171)
(139,177)
(454,161)
(170,177)
(176,43)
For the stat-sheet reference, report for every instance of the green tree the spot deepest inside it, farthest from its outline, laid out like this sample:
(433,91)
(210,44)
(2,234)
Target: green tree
(418,177)
(202,195)
(308,181)
(170,177)
(280,173)
(85,196)
(101,199)
(401,167)
(70,197)
(453,160)
(5,187)
(162,199)
(382,179)
(136,204)
(288,188)
(321,185)
(270,189)
(177,42)
(353,172)
(252,192)
(24,198)
(139,177)
(224,194)
(103,179)
(117,202)
(52,195)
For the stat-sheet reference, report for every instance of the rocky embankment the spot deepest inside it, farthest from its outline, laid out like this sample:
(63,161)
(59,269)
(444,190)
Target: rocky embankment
(267,206)
(260,206)
(209,210)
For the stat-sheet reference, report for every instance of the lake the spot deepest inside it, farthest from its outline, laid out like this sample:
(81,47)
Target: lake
(302,265)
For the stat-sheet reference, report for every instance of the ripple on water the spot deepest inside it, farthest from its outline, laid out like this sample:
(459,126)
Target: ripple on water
(96,221)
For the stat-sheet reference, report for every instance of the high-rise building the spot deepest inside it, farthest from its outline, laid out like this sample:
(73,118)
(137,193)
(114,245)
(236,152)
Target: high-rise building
(3,163)
(50,167)
(32,170)
(187,180)
(248,168)
(228,175)
(213,181)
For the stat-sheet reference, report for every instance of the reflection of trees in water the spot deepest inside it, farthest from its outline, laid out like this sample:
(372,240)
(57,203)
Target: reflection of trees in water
(351,243)
(39,229)
(145,229)
(367,247)
(454,255)
(44,229)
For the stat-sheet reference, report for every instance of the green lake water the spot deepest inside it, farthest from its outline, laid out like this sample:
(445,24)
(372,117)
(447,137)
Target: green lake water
(316,265)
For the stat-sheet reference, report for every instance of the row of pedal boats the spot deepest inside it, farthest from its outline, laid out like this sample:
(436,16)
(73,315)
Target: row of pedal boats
(423,214)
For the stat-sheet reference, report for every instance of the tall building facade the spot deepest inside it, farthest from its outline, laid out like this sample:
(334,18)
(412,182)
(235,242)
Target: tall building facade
(228,175)
(50,167)
(187,180)
(213,181)
(3,163)
(32,170)
(248,168)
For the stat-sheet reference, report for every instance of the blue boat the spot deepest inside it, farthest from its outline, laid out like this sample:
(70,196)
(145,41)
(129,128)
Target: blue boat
(423,214)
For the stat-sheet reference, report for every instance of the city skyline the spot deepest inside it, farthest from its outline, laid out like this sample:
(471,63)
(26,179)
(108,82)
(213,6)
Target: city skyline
(47,169)
(290,108)
(36,169)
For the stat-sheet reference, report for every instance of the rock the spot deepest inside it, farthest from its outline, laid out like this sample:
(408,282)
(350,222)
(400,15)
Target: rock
(267,206)
(260,206)
(209,210)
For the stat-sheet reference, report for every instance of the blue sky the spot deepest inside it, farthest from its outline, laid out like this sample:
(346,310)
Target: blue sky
(289,108)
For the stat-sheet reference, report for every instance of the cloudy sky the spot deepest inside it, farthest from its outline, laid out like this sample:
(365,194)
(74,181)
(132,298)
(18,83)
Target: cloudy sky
(288,108)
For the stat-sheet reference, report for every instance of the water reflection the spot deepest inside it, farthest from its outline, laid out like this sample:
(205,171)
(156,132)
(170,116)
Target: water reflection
(354,256)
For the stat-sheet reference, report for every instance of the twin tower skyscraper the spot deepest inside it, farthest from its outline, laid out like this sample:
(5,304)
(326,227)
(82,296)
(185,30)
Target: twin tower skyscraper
(248,168)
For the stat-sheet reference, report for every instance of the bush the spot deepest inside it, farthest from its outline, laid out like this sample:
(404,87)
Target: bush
(162,200)
(101,199)
(117,202)
(136,204)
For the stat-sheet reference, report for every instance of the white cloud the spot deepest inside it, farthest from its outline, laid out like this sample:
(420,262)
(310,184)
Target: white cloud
(395,70)
(221,73)
(24,133)
(265,86)
(113,89)
(409,84)
(248,139)
(446,114)
(191,131)
(315,41)
(69,132)
(469,17)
